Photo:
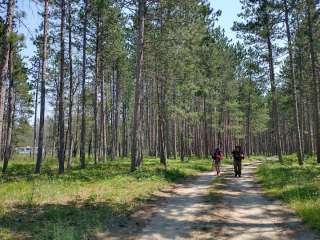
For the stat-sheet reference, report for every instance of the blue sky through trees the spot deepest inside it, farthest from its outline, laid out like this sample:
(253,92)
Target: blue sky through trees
(30,22)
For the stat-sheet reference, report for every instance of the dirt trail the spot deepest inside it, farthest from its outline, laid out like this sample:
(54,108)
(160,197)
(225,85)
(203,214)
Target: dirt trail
(242,213)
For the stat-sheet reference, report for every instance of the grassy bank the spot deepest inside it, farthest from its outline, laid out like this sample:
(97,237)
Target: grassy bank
(80,202)
(296,185)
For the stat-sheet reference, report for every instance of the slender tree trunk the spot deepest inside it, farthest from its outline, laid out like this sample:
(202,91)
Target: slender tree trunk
(249,113)
(5,60)
(8,145)
(137,128)
(174,137)
(116,106)
(117,113)
(182,140)
(294,88)
(95,98)
(274,98)
(34,142)
(43,88)
(76,138)
(161,106)
(103,118)
(70,133)
(90,145)
(206,130)
(61,153)
(83,85)
(124,130)
(311,128)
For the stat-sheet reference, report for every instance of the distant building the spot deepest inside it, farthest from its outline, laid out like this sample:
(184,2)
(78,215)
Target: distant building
(25,150)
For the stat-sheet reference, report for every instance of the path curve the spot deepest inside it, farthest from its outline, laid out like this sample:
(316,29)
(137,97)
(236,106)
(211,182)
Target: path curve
(243,213)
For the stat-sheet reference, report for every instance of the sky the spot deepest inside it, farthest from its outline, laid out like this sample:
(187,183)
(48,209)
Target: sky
(230,10)
(31,21)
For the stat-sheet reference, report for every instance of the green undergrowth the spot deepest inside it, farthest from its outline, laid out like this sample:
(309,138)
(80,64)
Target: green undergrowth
(299,186)
(79,203)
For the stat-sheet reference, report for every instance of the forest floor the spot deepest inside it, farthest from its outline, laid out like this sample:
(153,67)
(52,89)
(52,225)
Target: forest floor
(214,208)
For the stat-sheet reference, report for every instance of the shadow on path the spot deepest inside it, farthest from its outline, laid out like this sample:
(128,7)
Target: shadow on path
(242,213)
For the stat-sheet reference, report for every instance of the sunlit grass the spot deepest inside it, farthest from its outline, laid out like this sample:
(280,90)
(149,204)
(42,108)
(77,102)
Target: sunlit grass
(79,203)
(296,185)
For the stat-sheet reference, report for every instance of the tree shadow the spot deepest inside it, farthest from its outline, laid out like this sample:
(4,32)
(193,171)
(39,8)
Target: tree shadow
(73,220)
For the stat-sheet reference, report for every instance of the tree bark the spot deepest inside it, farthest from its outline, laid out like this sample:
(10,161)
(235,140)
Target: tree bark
(137,128)
(275,114)
(70,118)
(249,117)
(5,59)
(162,112)
(43,87)
(115,122)
(294,88)
(34,142)
(103,119)
(61,153)
(83,85)
(10,113)
(95,98)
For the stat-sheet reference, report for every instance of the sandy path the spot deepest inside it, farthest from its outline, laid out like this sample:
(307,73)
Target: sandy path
(248,214)
(243,213)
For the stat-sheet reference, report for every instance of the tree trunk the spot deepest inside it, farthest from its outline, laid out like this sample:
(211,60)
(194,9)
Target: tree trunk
(5,59)
(249,113)
(34,142)
(76,138)
(275,114)
(83,85)
(103,119)
(43,88)
(182,140)
(116,106)
(124,130)
(10,113)
(61,153)
(70,133)
(95,98)
(294,88)
(174,137)
(206,130)
(161,105)
(137,128)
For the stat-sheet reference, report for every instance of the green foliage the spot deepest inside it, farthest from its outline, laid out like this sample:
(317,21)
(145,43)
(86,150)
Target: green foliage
(296,185)
(22,135)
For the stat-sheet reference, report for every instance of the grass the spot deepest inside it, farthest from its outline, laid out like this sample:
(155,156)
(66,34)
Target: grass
(79,203)
(296,185)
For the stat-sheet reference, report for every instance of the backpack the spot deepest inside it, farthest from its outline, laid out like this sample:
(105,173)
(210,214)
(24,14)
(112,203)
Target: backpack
(217,155)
